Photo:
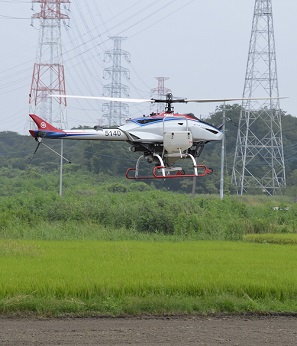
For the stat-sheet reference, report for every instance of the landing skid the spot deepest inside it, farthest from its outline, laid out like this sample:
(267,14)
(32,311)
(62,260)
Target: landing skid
(163,172)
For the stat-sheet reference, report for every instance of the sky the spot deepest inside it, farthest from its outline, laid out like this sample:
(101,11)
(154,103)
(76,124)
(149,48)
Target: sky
(201,46)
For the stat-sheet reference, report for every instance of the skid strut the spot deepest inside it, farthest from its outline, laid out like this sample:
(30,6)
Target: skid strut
(163,172)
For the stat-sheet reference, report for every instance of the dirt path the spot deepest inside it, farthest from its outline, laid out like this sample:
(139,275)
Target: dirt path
(212,331)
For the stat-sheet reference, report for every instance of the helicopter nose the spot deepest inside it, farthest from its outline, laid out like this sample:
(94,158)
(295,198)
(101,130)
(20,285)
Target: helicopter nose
(220,135)
(215,134)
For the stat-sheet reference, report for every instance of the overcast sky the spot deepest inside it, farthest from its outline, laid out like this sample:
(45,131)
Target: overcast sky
(202,46)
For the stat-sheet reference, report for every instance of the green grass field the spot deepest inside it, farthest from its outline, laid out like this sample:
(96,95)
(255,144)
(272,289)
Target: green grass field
(146,277)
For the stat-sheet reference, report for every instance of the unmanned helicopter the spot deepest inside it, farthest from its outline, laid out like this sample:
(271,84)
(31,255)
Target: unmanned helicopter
(164,139)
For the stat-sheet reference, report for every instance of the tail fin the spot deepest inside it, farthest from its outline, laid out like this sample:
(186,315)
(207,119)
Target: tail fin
(44,128)
(43,125)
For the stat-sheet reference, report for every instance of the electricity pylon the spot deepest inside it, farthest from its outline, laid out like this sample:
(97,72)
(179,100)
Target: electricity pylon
(115,113)
(48,74)
(259,157)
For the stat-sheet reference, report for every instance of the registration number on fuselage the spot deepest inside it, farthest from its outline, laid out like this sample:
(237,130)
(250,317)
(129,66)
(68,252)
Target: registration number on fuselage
(112,133)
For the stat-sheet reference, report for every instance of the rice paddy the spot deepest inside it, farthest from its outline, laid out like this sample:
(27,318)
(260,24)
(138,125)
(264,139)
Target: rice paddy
(146,277)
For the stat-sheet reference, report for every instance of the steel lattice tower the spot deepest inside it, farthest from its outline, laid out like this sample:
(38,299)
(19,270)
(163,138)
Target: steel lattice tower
(115,113)
(48,74)
(259,156)
(160,91)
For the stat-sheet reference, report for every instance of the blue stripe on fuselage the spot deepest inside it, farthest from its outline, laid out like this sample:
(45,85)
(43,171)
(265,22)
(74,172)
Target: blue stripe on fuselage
(51,134)
(56,135)
(151,121)
(48,134)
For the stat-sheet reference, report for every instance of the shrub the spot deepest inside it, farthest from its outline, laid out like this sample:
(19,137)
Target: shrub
(117,187)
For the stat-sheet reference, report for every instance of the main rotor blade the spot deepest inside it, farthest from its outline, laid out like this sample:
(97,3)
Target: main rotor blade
(122,99)
(105,98)
(232,99)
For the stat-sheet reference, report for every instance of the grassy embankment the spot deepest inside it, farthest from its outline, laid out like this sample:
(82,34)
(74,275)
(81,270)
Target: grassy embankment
(102,214)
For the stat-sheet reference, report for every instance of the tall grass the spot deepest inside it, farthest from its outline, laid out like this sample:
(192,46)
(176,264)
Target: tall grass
(146,277)
(286,238)
(88,214)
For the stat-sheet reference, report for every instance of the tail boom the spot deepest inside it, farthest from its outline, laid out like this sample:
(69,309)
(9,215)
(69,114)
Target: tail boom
(46,130)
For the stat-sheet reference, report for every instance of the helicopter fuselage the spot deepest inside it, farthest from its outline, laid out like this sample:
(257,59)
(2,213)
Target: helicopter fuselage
(152,128)
(147,129)
(162,138)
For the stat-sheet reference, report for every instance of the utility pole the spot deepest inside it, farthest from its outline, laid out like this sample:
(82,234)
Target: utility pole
(259,157)
(48,73)
(223,155)
(115,113)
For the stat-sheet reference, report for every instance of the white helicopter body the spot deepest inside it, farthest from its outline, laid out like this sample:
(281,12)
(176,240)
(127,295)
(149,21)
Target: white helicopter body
(163,138)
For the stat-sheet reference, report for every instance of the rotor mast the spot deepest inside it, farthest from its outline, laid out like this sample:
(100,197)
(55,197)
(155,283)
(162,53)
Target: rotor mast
(161,90)
(169,100)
